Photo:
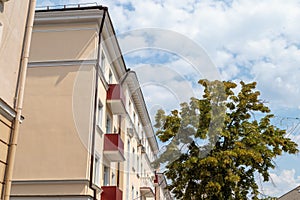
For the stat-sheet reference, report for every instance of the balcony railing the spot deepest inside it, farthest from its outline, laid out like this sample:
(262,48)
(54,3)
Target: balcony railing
(111,193)
(115,99)
(113,147)
(147,187)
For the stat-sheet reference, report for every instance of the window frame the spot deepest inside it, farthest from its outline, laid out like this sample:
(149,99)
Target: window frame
(106,175)
(100,115)
(97,162)
(108,124)
(133,159)
(102,61)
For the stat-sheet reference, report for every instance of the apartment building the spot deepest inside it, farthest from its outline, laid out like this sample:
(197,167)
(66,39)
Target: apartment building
(87,133)
(293,194)
(16,18)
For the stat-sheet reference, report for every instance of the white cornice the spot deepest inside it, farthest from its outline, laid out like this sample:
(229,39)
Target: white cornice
(68,16)
(6,110)
(137,97)
(55,63)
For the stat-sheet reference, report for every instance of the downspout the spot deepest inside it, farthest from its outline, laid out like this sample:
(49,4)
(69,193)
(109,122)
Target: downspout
(19,98)
(95,105)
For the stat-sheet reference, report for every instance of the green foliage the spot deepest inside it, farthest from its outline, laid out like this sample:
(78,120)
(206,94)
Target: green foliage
(237,145)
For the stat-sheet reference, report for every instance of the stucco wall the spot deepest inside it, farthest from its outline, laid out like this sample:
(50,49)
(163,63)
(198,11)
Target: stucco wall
(52,143)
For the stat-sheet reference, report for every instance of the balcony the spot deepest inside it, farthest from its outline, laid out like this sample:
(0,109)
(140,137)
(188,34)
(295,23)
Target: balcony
(115,99)
(147,188)
(113,147)
(111,193)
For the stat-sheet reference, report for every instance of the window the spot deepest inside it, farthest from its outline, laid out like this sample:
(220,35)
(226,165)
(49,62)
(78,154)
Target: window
(138,164)
(129,107)
(102,61)
(143,138)
(128,152)
(108,124)
(132,192)
(97,171)
(106,176)
(110,77)
(100,114)
(134,118)
(133,159)
(113,178)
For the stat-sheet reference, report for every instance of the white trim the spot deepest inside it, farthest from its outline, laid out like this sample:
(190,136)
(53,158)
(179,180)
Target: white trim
(69,15)
(55,18)
(7,111)
(55,63)
(63,30)
(22,182)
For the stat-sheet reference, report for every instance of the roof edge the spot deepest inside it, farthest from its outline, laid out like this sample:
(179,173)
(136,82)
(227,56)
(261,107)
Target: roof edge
(64,8)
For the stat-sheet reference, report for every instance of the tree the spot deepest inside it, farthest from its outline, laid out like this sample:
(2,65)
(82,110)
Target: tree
(215,145)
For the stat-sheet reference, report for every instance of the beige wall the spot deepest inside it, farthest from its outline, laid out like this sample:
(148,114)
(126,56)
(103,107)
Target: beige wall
(50,188)
(12,21)
(53,43)
(55,137)
(51,143)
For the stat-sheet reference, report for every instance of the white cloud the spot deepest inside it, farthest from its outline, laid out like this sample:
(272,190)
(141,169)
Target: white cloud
(256,40)
(282,182)
(156,80)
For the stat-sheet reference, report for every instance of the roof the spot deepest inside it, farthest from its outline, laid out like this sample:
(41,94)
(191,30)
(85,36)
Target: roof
(293,194)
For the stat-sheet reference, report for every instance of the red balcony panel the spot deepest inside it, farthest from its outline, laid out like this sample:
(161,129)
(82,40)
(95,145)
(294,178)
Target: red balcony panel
(115,99)
(113,147)
(156,179)
(111,193)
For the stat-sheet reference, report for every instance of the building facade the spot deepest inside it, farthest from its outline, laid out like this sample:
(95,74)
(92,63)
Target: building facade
(87,133)
(16,17)
(294,194)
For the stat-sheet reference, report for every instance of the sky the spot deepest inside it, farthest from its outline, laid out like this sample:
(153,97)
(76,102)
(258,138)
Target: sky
(171,44)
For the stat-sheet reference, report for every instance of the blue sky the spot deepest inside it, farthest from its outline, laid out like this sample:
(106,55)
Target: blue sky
(255,40)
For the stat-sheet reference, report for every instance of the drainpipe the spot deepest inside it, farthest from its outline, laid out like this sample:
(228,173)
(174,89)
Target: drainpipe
(95,105)
(19,98)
